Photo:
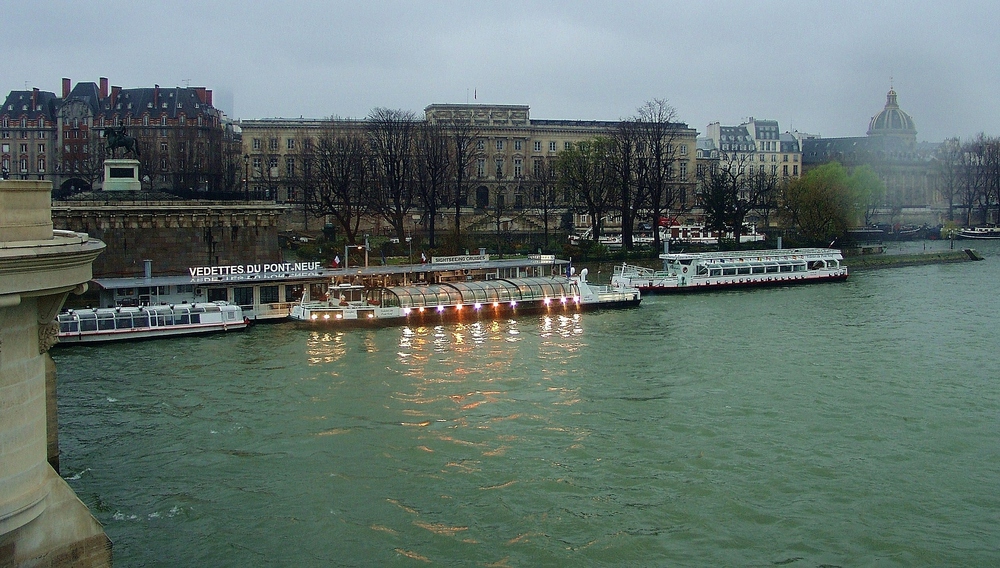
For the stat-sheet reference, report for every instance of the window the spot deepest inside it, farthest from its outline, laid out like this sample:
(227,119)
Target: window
(536,168)
(795,170)
(684,149)
(684,171)
(24,148)
(41,135)
(41,163)
(517,167)
(163,146)
(517,145)
(256,164)
(256,143)
(480,167)
(499,144)
(538,145)
(289,166)
(6,148)
(567,145)
(552,146)
(268,294)
(290,143)
(272,144)
(41,148)
(784,157)
(499,170)
(784,170)
(24,164)
(480,145)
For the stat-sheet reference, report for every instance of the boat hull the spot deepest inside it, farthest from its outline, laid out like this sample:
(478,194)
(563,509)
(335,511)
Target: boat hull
(146,333)
(737,283)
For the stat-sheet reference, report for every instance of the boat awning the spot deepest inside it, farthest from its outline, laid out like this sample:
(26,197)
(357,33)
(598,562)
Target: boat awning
(483,291)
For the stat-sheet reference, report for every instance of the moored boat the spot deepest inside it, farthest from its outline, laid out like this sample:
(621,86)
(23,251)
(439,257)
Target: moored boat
(99,325)
(472,299)
(691,272)
(988,232)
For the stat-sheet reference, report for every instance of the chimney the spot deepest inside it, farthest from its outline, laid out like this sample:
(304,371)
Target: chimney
(34,98)
(156,96)
(66,88)
(208,97)
(104,88)
(114,94)
(200,91)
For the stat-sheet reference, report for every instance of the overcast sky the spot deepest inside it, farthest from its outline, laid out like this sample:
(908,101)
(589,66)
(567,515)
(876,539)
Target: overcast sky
(817,67)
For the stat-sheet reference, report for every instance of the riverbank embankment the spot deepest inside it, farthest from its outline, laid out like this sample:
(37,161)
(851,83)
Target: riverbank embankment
(888,260)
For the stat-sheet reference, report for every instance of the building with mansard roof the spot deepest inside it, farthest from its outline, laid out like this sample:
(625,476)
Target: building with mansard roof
(45,136)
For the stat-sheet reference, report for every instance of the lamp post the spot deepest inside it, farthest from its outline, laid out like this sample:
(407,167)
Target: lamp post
(246,176)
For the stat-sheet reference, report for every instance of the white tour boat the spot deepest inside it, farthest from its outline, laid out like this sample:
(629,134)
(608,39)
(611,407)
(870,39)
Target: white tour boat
(461,299)
(690,272)
(979,233)
(98,325)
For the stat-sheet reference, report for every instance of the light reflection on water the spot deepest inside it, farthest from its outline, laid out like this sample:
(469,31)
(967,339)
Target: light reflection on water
(843,424)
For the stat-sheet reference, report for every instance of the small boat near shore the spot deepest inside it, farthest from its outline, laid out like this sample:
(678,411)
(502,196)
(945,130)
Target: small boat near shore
(694,272)
(979,233)
(456,300)
(100,325)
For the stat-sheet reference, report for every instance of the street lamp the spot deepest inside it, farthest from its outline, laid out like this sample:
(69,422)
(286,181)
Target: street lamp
(246,176)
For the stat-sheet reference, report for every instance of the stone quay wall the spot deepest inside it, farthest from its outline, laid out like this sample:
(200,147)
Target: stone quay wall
(174,236)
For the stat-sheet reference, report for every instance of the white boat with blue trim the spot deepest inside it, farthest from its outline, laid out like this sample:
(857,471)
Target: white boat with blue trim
(101,325)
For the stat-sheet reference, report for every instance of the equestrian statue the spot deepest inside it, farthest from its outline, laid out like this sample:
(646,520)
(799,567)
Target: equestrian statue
(118,139)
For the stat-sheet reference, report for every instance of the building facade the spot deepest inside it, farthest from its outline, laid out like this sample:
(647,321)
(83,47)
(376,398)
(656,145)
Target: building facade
(891,149)
(60,138)
(512,166)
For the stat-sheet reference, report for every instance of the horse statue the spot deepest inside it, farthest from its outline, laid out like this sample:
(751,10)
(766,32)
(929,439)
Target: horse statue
(118,139)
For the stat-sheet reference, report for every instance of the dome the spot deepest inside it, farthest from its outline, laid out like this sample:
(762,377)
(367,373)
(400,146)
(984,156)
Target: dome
(892,121)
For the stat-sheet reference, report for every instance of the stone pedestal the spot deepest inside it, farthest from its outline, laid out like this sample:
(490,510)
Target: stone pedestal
(121,174)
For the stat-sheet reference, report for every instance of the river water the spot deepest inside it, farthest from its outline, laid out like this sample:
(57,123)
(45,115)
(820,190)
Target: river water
(846,424)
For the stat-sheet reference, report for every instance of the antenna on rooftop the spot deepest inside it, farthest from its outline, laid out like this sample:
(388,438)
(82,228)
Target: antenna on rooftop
(187,83)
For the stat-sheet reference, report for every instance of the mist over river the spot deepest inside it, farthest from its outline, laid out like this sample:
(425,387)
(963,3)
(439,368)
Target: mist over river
(841,424)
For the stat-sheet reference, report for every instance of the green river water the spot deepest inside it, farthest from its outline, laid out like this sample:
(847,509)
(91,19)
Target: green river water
(843,424)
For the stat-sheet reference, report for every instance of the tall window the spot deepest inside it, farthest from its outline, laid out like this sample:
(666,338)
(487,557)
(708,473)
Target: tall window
(481,167)
(272,144)
(517,145)
(517,167)
(552,146)
(499,144)
(536,168)
(290,165)
(538,145)
(256,143)
(290,144)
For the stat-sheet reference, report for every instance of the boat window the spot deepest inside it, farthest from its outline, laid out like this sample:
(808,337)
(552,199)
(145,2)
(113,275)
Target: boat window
(743,270)
(195,318)
(243,296)
(799,267)
(268,294)
(758,269)
(140,320)
(88,322)
(729,271)
(68,325)
(105,321)
(772,268)
(218,295)
(714,272)
(293,292)
(702,270)
(786,268)
(123,321)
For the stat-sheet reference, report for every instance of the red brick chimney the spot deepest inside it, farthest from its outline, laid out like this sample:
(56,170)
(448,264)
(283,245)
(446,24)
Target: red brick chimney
(208,97)
(156,96)
(66,88)
(200,91)
(34,99)
(104,88)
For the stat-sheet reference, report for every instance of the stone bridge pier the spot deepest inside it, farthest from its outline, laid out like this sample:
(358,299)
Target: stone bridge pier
(42,522)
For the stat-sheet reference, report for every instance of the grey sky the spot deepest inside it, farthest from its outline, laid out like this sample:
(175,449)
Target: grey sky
(818,67)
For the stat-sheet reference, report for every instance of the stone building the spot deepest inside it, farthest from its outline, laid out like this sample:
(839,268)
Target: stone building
(513,152)
(42,522)
(182,137)
(891,149)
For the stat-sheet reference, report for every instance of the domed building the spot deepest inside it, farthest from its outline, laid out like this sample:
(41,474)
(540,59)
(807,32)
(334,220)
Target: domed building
(892,150)
(892,121)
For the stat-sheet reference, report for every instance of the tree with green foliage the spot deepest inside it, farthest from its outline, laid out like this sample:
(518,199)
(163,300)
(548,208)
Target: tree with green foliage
(868,189)
(822,204)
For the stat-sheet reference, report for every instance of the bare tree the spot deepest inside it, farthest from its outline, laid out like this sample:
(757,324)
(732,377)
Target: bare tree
(629,168)
(463,140)
(542,183)
(947,172)
(973,180)
(391,139)
(433,169)
(337,179)
(657,121)
(584,171)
